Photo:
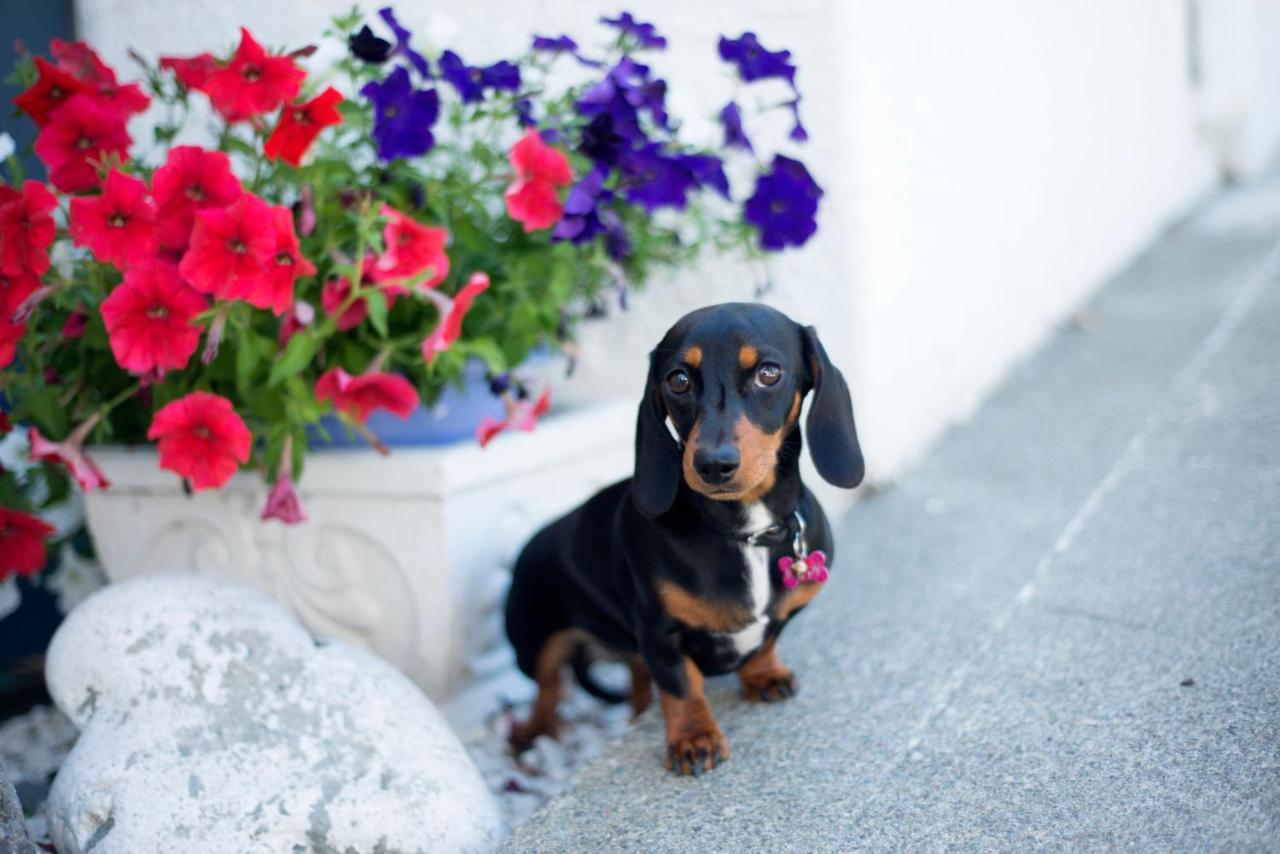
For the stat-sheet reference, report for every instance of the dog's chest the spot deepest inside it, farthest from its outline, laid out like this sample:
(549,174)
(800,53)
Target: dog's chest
(758,586)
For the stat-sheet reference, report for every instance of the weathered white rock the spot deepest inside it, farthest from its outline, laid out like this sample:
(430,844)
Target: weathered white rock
(13,827)
(211,721)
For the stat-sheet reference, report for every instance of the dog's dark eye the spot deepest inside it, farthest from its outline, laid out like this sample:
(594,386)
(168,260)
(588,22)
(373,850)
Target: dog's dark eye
(678,382)
(768,374)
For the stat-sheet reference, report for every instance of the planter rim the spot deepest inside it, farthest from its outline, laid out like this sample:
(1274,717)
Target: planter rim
(425,471)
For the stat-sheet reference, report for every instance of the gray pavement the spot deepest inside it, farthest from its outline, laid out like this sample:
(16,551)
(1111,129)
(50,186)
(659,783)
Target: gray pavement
(1061,629)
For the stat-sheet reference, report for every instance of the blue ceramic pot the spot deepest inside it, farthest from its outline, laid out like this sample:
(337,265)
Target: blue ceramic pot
(453,418)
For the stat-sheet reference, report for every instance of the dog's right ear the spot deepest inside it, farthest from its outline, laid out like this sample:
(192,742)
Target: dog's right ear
(658,472)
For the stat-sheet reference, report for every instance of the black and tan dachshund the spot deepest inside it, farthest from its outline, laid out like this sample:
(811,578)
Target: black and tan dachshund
(694,565)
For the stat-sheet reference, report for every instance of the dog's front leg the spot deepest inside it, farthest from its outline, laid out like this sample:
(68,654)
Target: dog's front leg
(694,739)
(765,678)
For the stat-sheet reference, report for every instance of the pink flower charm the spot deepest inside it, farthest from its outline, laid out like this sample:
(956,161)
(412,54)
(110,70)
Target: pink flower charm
(810,569)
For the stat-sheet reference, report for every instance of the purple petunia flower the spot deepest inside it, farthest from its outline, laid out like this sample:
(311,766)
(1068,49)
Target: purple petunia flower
(403,116)
(645,34)
(581,221)
(472,81)
(654,179)
(365,46)
(402,47)
(559,44)
(601,141)
(707,170)
(564,44)
(734,135)
(785,205)
(623,93)
(616,243)
(798,133)
(754,62)
(524,113)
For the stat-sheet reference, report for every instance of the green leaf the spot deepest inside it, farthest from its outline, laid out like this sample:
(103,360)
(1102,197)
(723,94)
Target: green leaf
(47,412)
(377,302)
(488,350)
(297,354)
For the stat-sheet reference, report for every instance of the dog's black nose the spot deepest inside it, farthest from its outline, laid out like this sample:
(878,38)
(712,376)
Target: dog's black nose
(716,465)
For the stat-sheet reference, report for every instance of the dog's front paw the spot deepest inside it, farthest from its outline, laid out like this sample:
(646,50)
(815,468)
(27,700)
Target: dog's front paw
(769,686)
(697,751)
(523,735)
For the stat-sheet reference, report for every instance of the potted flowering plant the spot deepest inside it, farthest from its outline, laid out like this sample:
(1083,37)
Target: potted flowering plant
(297,249)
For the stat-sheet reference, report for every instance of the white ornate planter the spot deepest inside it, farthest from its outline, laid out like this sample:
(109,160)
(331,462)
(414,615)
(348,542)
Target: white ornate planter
(407,555)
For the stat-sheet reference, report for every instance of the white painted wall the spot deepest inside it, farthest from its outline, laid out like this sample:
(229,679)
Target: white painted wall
(1239,92)
(1007,157)
(986,164)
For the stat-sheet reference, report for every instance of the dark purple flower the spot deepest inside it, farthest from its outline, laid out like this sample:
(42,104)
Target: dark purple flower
(623,93)
(645,34)
(655,180)
(734,135)
(366,46)
(499,384)
(501,75)
(418,196)
(559,44)
(616,243)
(798,133)
(581,219)
(754,62)
(402,43)
(403,116)
(707,170)
(453,69)
(524,113)
(600,141)
(563,44)
(785,205)
(472,81)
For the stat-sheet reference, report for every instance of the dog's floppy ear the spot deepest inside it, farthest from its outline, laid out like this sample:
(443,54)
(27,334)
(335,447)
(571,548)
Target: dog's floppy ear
(830,431)
(657,475)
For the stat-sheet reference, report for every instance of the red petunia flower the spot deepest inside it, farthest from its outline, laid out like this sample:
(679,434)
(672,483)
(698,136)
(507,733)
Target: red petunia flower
(54,87)
(80,61)
(192,72)
(26,229)
(299,317)
(533,199)
(22,543)
(520,416)
(5,424)
(191,179)
(75,325)
(202,439)
(230,248)
(71,455)
(286,264)
(300,124)
(83,134)
(150,319)
(119,226)
(14,291)
(283,502)
(333,295)
(253,82)
(359,396)
(450,325)
(411,250)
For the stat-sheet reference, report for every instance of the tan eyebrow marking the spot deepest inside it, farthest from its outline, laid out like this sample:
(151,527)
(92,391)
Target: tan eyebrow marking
(748,356)
(693,356)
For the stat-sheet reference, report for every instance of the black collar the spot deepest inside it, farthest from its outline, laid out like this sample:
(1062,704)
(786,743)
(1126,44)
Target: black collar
(783,532)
